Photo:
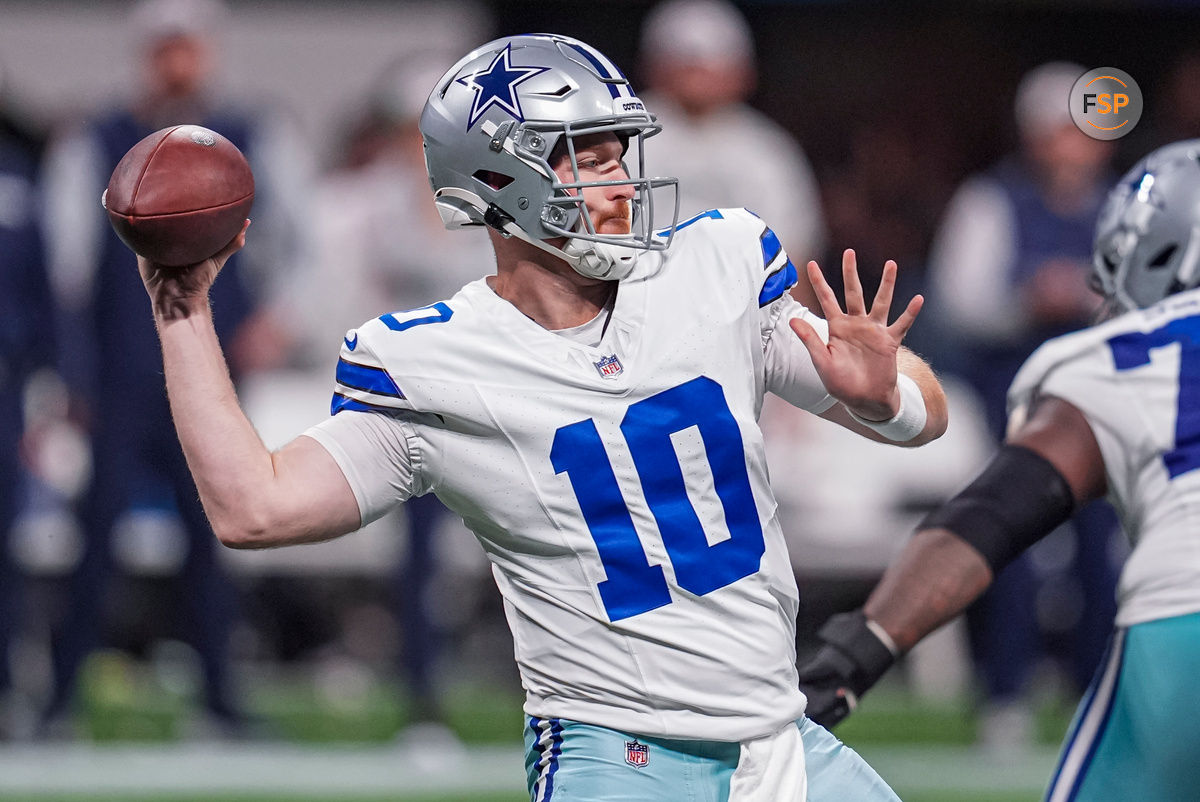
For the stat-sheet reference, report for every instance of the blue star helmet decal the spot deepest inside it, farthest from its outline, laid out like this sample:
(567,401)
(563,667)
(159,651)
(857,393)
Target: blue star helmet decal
(497,86)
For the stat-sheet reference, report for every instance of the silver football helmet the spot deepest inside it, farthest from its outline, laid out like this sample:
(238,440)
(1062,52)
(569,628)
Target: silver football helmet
(1147,242)
(498,116)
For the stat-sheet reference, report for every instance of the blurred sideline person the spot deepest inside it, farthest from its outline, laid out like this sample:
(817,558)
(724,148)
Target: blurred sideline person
(1009,269)
(886,195)
(26,344)
(1173,112)
(699,64)
(1110,410)
(376,229)
(379,246)
(589,410)
(110,359)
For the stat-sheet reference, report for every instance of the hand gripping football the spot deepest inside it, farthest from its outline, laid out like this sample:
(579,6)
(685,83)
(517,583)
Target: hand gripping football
(180,195)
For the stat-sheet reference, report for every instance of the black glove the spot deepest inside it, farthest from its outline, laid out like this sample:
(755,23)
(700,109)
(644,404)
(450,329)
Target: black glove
(852,659)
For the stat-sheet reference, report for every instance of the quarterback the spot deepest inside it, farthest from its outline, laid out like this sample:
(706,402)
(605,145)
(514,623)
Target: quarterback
(1113,410)
(590,410)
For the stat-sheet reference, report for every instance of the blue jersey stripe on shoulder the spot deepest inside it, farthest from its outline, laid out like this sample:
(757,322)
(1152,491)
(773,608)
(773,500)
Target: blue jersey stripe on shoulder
(778,283)
(369,379)
(711,214)
(342,403)
(770,246)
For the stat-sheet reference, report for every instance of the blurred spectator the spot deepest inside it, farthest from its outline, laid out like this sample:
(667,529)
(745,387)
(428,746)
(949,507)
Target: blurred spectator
(380,246)
(699,64)
(16,127)
(1172,111)
(885,198)
(26,341)
(111,361)
(1009,270)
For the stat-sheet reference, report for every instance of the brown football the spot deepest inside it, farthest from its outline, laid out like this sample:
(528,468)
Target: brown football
(180,195)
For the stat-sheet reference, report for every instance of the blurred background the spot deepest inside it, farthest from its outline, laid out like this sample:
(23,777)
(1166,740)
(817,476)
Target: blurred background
(140,661)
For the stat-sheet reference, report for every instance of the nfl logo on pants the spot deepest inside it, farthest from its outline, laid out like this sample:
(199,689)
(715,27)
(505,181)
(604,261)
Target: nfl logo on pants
(637,754)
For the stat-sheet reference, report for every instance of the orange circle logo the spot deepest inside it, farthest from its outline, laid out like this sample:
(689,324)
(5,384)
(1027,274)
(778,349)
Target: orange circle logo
(1106,103)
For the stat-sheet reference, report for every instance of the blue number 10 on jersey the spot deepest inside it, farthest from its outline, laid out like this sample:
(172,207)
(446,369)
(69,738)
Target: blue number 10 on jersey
(633,585)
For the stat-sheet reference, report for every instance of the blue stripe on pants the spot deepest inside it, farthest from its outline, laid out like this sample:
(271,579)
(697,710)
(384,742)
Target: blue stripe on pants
(542,758)
(1135,736)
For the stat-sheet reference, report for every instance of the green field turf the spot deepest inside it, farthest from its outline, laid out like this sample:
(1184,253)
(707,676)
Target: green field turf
(924,750)
(124,702)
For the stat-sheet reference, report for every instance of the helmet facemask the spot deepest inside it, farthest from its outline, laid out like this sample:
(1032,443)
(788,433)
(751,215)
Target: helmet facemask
(565,212)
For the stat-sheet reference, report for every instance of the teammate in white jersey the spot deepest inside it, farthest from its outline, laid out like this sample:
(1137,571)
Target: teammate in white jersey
(590,411)
(1113,410)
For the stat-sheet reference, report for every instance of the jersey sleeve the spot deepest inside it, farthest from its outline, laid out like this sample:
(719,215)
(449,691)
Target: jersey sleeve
(778,273)
(757,265)
(790,373)
(377,454)
(744,253)
(362,382)
(771,271)
(1079,369)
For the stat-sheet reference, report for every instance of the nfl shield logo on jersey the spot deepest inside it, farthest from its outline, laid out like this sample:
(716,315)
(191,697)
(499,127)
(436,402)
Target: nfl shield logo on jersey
(609,366)
(637,754)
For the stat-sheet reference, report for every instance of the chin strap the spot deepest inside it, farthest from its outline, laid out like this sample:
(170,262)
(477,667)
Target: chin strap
(600,260)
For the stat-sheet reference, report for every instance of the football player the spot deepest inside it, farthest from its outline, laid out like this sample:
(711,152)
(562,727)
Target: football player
(590,411)
(1113,410)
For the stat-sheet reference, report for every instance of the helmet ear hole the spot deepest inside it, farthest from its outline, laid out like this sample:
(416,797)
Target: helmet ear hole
(1162,257)
(492,178)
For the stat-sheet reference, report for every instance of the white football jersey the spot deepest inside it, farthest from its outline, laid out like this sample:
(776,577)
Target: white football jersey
(1137,380)
(620,491)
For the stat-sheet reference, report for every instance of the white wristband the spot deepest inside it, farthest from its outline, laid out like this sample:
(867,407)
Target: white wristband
(909,420)
(878,631)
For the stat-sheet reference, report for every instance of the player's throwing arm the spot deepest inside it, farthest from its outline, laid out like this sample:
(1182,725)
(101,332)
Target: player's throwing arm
(253,498)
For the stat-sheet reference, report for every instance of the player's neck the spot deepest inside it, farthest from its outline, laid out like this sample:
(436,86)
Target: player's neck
(547,290)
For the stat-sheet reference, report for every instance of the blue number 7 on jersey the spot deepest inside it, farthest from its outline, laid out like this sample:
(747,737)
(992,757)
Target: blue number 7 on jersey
(1132,350)
(633,585)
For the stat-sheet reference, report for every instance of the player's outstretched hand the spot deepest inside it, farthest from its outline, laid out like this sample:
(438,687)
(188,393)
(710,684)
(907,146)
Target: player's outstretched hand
(172,289)
(858,364)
